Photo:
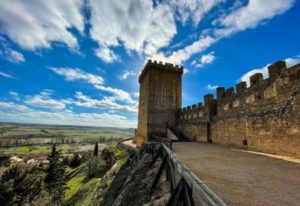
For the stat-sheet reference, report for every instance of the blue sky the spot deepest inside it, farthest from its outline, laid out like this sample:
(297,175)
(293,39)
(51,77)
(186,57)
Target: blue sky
(76,62)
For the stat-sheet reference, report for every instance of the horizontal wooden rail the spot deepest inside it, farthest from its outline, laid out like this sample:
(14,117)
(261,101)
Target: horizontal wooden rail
(192,186)
(205,195)
(165,141)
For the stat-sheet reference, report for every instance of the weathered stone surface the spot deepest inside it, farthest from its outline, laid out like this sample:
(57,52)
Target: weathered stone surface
(264,117)
(160,99)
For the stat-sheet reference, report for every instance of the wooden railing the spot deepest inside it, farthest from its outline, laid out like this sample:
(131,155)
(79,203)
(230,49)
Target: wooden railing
(165,141)
(185,187)
(188,187)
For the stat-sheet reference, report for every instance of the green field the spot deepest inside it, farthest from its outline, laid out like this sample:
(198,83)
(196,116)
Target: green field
(24,135)
(45,149)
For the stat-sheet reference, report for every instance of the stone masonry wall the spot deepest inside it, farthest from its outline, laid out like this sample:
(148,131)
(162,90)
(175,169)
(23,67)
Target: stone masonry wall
(263,117)
(160,99)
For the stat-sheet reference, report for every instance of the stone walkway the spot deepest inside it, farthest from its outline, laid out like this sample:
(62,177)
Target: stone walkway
(243,178)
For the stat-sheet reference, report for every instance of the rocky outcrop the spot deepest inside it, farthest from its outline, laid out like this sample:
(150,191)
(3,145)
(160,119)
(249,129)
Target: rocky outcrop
(129,183)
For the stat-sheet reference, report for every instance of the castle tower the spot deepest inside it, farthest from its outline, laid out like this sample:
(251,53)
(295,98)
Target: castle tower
(160,99)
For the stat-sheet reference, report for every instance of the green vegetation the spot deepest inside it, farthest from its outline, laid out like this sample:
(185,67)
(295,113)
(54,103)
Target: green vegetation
(45,149)
(118,158)
(24,135)
(96,149)
(75,161)
(21,184)
(64,180)
(81,187)
(55,183)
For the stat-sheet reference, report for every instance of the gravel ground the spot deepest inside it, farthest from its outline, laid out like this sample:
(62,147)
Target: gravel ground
(243,178)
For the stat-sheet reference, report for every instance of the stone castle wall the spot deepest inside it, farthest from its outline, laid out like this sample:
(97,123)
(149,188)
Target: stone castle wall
(263,117)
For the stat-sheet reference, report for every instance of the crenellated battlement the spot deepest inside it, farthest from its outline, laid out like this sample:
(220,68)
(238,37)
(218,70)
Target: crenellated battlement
(159,100)
(159,65)
(262,94)
(263,116)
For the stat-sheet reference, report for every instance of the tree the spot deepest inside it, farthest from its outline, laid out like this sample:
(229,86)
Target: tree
(75,161)
(20,184)
(96,149)
(55,182)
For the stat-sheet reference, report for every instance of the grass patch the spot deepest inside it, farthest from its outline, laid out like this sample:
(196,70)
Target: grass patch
(81,188)
(27,150)
(103,188)
(40,149)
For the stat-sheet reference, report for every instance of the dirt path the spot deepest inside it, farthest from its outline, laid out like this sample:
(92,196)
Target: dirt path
(242,178)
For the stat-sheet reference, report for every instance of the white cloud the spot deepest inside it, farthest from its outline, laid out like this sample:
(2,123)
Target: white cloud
(246,77)
(6,75)
(113,101)
(12,55)
(251,15)
(36,24)
(264,70)
(136,94)
(193,9)
(106,54)
(108,103)
(292,61)
(11,112)
(212,87)
(138,25)
(44,100)
(10,106)
(119,94)
(239,19)
(128,73)
(14,95)
(97,81)
(179,56)
(185,71)
(206,59)
(72,74)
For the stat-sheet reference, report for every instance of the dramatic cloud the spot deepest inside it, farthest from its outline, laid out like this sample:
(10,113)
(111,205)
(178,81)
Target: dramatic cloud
(36,24)
(9,111)
(193,9)
(179,56)
(6,75)
(138,25)
(264,70)
(251,15)
(242,18)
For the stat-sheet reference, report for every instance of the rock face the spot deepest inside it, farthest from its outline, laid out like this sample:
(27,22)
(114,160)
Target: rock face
(264,117)
(136,190)
(129,184)
(160,99)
